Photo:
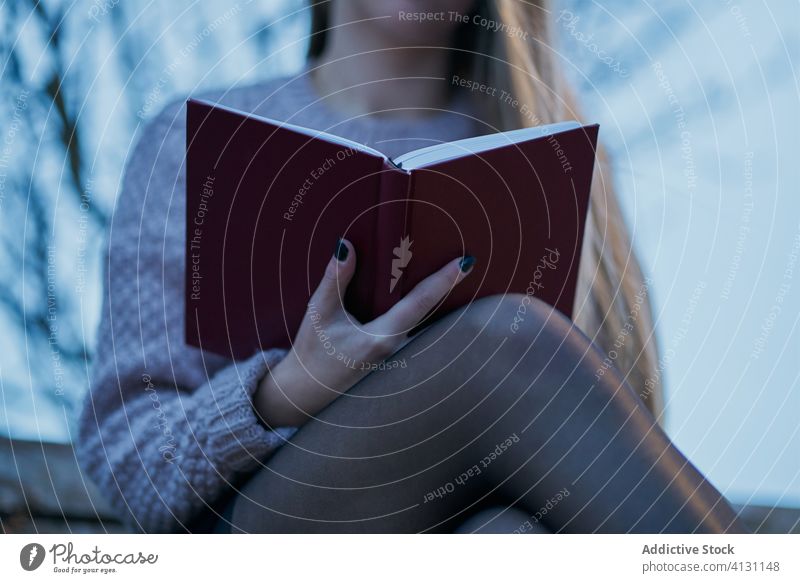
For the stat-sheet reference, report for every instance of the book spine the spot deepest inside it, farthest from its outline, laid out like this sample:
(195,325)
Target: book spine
(392,251)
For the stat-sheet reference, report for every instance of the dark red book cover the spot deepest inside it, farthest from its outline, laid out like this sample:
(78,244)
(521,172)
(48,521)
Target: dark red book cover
(266,203)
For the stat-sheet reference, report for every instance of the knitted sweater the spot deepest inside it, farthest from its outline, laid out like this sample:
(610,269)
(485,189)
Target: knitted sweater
(167,429)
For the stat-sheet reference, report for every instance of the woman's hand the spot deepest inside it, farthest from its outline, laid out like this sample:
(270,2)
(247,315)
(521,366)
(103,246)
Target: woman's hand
(332,351)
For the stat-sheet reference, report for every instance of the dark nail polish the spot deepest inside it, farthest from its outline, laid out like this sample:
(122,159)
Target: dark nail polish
(466,263)
(341,250)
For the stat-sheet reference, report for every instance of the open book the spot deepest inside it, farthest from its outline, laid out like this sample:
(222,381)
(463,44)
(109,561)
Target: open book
(266,202)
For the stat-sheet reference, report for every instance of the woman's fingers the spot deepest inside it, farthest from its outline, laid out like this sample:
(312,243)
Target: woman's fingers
(409,311)
(329,295)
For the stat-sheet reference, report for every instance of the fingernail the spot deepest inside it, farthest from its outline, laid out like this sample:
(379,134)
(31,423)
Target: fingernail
(341,250)
(466,263)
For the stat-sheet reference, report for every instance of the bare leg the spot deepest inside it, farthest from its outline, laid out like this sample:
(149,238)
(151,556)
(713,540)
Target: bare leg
(481,410)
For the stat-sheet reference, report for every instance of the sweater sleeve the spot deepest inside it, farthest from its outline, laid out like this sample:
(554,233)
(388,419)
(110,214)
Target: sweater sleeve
(166,428)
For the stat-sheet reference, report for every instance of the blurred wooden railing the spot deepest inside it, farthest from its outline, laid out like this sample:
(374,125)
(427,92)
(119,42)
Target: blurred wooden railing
(42,490)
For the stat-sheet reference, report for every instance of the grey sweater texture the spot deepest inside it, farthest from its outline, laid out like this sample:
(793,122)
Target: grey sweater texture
(167,429)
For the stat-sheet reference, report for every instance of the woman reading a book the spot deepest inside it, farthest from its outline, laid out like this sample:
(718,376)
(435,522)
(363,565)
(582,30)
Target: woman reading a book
(463,427)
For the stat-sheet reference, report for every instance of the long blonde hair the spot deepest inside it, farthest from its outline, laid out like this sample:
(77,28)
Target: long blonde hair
(516,54)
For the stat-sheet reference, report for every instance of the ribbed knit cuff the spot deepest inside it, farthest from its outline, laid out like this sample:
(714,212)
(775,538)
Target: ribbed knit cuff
(237,441)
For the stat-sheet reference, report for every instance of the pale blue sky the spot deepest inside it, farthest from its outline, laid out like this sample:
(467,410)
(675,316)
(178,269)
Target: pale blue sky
(705,149)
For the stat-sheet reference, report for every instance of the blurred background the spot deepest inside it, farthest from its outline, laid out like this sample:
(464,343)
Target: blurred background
(698,104)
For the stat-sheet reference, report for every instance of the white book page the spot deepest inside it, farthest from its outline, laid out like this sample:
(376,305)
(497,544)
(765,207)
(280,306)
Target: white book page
(476,145)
